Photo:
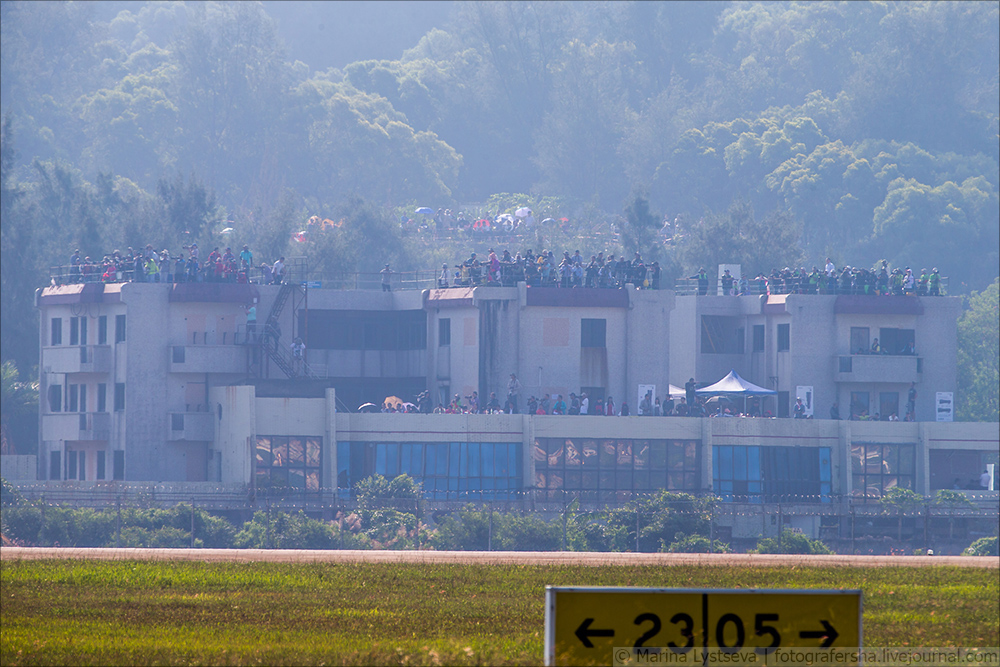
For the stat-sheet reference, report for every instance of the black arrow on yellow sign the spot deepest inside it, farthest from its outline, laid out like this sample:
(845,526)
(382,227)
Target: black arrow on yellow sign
(584,633)
(828,631)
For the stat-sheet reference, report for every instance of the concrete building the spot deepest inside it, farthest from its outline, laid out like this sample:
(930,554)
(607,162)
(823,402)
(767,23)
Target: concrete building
(170,383)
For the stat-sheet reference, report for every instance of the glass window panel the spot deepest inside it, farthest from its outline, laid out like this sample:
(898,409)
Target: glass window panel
(890,456)
(441,467)
(417,460)
(488,483)
(888,482)
(825,470)
(296,451)
(691,455)
(514,459)
(740,463)
(573,479)
(573,457)
(873,459)
(623,479)
(715,463)
(279,447)
(906,459)
(486,458)
(296,478)
(554,450)
(500,460)
(540,480)
(690,480)
(858,484)
(589,480)
(263,478)
(475,483)
(313,449)
(624,457)
(857,458)
(607,480)
(463,483)
(555,480)
(454,459)
(380,464)
(724,486)
(430,466)
(642,479)
(675,455)
(753,487)
(453,483)
(658,454)
(753,462)
(607,454)
(905,481)
(675,480)
(279,477)
(725,453)
(608,497)
(541,457)
(657,479)
(392,460)
(640,453)
(312,480)
(474,461)
(590,456)
(263,451)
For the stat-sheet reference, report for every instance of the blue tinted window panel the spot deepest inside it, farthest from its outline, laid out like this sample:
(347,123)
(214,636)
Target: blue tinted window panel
(417,459)
(487,458)
(454,459)
(441,467)
(500,460)
(380,461)
(404,466)
(739,463)
(725,453)
(430,464)
(392,460)
(753,462)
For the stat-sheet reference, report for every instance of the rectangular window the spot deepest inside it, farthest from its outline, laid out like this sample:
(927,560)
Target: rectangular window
(291,463)
(73,398)
(859,340)
(444,332)
(102,397)
(55,398)
(859,404)
(593,333)
(876,468)
(70,465)
(758,338)
(784,342)
(119,328)
(83,330)
(119,396)
(178,355)
(82,465)
(897,341)
(118,465)
(56,337)
(83,398)
(782,403)
(100,465)
(55,465)
(888,404)
(102,330)
(74,331)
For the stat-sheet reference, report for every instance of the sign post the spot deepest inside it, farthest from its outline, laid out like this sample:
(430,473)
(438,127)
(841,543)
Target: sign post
(623,626)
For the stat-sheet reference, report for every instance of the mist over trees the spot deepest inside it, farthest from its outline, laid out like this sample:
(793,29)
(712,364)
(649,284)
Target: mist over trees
(853,130)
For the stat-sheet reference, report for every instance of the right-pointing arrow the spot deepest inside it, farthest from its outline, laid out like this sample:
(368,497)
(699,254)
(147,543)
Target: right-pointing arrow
(584,633)
(828,631)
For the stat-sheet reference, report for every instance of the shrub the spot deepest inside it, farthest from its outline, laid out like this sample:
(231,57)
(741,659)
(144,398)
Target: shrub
(984,546)
(949,498)
(694,544)
(791,543)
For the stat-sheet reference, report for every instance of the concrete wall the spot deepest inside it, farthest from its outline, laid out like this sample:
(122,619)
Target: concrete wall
(19,467)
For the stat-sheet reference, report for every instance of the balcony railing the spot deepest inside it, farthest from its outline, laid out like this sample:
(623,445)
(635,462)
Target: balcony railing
(78,358)
(877,368)
(76,426)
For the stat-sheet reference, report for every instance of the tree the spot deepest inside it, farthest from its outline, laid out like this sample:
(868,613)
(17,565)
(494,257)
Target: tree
(19,413)
(979,357)
(791,543)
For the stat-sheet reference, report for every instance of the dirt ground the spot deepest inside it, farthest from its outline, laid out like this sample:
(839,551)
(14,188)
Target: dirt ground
(489,557)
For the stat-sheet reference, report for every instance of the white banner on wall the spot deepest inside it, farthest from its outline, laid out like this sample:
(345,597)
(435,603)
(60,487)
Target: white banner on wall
(944,406)
(806,394)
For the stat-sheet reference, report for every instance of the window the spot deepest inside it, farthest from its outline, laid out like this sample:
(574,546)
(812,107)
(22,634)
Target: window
(102,330)
(960,468)
(73,398)
(771,474)
(859,404)
(783,404)
(118,465)
(846,365)
(56,337)
(177,421)
(70,465)
(593,333)
(119,396)
(897,341)
(721,335)
(83,398)
(101,465)
(876,468)
(888,404)
(55,398)
(119,328)
(444,332)
(365,330)
(83,330)
(55,465)
(596,470)
(102,397)
(74,331)
(178,354)
(784,342)
(82,464)
(758,338)
(288,462)
(859,340)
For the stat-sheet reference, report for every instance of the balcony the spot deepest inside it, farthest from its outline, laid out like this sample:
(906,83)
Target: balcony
(76,426)
(77,359)
(877,368)
(191,426)
(208,359)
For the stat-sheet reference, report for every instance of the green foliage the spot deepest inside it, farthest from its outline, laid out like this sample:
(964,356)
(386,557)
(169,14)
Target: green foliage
(791,543)
(949,498)
(984,546)
(979,357)
(18,412)
(898,499)
(284,531)
(694,544)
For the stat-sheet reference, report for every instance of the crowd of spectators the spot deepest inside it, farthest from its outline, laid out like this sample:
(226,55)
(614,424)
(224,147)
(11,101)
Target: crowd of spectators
(546,270)
(185,266)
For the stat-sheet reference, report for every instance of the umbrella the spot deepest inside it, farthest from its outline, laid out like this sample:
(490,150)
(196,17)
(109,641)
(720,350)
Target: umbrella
(367,407)
(300,236)
(504,217)
(523,212)
(227,231)
(409,406)
(547,221)
(425,210)
(392,400)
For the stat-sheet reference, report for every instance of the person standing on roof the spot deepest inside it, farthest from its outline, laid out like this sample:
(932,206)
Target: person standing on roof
(386,278)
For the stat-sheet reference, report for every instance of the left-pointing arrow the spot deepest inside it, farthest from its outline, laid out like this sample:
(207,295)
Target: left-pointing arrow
(584,633)
(828,631)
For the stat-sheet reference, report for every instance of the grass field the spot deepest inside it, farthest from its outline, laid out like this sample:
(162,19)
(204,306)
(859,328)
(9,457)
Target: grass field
(140,613)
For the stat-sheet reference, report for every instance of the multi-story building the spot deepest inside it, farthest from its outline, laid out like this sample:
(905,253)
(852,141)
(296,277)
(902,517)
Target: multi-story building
(169,383)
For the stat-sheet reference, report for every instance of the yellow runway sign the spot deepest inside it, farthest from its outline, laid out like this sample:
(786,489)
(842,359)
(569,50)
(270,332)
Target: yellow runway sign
(584,626)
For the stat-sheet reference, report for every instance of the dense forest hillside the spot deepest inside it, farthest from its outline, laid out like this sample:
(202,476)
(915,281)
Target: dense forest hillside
(778,132)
